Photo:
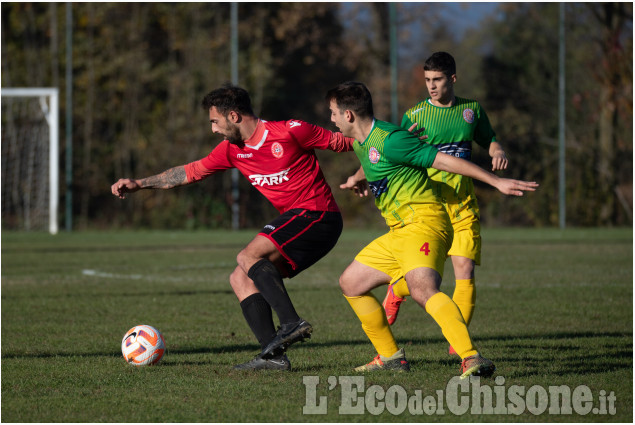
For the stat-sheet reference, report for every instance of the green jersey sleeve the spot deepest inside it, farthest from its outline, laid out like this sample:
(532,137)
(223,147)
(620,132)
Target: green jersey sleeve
(483,133)
(395,163)
(403,147)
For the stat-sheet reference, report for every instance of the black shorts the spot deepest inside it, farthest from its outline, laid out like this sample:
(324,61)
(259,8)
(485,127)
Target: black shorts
(303,237)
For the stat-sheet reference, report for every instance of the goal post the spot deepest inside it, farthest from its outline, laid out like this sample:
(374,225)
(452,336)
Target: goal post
(21,144)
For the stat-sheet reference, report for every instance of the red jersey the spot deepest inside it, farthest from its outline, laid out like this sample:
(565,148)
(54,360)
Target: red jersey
(279,159)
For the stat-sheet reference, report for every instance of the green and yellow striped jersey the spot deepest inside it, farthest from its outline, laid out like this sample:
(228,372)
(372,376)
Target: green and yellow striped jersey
(451,130)
(395,163)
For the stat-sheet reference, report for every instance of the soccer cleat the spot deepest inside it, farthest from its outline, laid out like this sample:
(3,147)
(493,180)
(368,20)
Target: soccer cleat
(477,365)
(280,362)
(391,304)
(396,362)
(289,333)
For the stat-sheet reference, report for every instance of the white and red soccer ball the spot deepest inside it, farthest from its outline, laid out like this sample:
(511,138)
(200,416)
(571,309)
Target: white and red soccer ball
(143,345)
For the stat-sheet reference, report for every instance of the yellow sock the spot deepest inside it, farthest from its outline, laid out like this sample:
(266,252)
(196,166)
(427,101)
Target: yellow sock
(464,297)
(400,288)
(374,323)
(449,318)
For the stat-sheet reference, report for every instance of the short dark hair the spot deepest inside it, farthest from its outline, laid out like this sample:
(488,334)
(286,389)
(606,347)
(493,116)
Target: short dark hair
(228,98)
(441,62)
(353,96)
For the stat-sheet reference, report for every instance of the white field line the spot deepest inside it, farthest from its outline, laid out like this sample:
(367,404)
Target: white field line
(96,273)
(153,278)
(164,278)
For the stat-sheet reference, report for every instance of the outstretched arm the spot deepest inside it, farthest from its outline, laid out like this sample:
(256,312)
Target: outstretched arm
(459,166)
(166,180)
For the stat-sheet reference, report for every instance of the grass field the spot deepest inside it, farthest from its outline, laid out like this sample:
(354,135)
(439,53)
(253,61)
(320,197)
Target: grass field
(554,308)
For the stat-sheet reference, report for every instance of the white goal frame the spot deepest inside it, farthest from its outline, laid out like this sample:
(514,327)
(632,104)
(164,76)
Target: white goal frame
(51,113)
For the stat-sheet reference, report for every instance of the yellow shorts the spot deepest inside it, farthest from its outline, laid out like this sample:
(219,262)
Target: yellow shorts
(467,230)
(423,243)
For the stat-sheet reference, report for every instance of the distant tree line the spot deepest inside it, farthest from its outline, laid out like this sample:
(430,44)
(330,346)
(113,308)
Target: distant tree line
(140,71)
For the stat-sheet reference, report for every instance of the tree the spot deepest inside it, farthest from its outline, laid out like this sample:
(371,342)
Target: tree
(521,78)
(141,69)
(615,77)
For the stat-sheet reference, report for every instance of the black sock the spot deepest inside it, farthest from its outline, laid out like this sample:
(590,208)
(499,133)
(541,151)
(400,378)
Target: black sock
(269,282)
(257,313)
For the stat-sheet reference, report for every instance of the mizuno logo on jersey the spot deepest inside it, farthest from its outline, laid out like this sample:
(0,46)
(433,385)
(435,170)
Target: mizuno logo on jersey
(244,155)
(270,179)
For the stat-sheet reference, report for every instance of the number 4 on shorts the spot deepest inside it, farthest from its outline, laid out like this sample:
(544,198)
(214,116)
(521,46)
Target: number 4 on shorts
(425,249)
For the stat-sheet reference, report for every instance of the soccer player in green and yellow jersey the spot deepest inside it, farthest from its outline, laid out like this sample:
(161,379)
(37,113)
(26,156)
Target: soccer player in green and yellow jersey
(451,124)
(394,162)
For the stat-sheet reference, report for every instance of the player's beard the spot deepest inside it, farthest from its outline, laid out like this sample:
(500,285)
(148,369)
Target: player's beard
(233,135)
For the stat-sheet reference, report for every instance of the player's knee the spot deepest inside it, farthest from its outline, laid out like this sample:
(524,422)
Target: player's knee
(343,284)
(236,278)
(232,276)
(424,288)
(425,297)
(347,285)
(242,286)
(463,267)
(246,260)
(240,258)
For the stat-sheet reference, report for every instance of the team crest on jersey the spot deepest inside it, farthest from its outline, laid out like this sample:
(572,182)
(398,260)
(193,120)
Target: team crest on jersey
(276,150)
(468,115)
(373,156)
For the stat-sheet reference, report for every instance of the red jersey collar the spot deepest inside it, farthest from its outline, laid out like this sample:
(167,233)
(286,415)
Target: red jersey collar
(257,139)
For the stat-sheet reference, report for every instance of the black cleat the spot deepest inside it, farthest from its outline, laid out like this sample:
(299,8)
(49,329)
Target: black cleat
(288,334)
(280,362)
(477,365)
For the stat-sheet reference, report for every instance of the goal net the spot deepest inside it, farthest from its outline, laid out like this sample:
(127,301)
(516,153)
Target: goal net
(30,169)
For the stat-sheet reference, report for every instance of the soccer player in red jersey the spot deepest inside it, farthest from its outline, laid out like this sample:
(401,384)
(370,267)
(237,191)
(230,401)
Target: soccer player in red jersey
(278,158)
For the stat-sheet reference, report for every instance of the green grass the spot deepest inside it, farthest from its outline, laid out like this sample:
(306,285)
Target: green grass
(554,308)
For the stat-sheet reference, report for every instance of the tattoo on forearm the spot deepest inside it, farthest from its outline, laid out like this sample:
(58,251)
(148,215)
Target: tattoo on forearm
(166,180)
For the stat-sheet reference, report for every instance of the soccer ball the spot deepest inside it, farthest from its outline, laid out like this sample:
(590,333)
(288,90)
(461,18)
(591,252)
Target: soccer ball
(143,345)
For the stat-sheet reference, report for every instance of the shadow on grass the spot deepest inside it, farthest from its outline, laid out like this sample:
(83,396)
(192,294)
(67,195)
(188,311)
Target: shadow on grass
(170,351)
(566,353)
(124,248)
(128,294)
(504,338)
(560,353)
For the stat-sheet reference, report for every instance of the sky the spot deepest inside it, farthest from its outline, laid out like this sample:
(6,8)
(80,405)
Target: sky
(463,15)
(466,15)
